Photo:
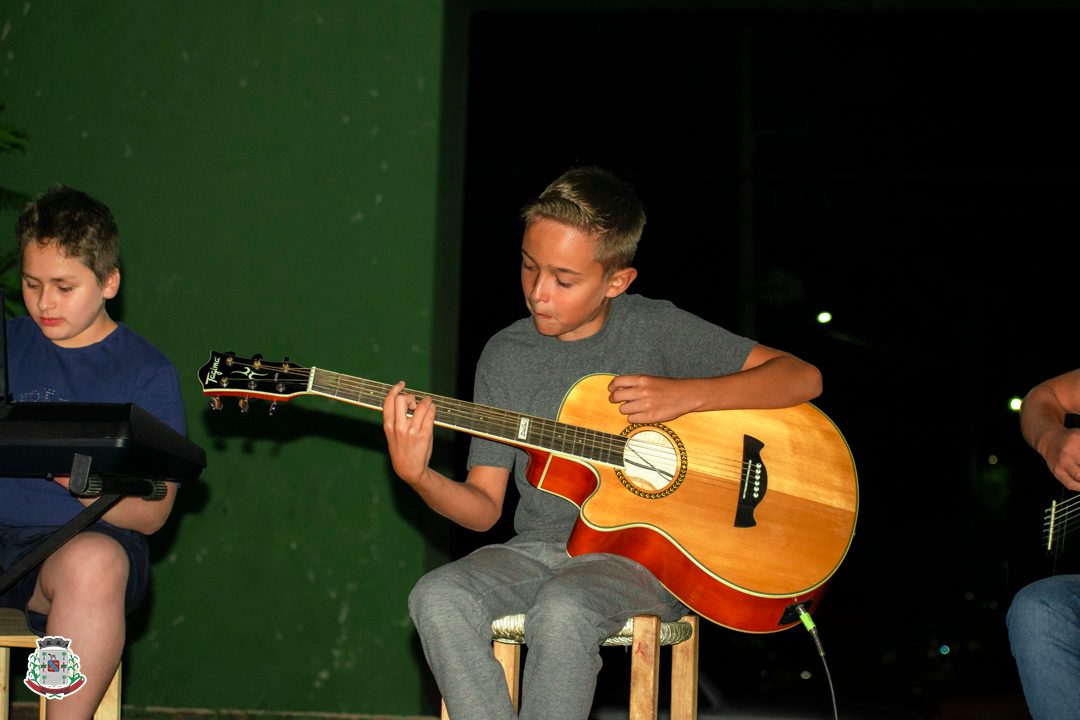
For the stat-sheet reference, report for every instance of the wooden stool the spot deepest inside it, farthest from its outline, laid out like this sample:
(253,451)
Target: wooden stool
(645,634)
(13,634)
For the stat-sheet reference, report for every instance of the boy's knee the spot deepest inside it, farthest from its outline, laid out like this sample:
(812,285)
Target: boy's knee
(444,596)
(1043,605)
(429,593)
(90,563)
(418,598)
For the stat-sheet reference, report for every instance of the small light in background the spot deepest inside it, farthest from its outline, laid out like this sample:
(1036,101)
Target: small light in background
(1015,403)
(993,460)
(824,317)
(944,649)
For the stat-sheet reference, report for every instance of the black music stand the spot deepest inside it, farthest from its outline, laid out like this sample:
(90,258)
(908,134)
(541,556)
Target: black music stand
(132,454)
(110,451)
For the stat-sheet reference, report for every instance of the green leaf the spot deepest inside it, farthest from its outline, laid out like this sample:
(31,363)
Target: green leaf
(12,138)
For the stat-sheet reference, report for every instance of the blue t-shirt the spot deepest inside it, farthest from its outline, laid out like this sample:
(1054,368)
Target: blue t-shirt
(122,368)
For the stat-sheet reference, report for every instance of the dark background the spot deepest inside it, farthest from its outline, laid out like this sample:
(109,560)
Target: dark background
(914,174)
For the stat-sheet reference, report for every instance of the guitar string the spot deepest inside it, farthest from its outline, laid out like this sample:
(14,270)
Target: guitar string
(1068,505)
(1061,534)
(1062,527)
(506,425)
(557,436)
(1064,509)
(1063,512)
(608,447)
(605,447)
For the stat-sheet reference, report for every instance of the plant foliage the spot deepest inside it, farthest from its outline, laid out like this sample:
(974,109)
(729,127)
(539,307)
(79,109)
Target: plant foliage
(12,139)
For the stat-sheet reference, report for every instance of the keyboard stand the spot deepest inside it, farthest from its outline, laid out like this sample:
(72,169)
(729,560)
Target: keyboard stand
(79,478)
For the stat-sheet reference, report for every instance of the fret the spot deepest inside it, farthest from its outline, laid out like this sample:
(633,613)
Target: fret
(576,441)
(591,446)
(542,434)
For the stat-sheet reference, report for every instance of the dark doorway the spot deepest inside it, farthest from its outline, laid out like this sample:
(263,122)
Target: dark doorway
(914,174)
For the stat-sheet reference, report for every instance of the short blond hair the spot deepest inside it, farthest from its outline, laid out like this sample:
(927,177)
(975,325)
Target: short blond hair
(599,204)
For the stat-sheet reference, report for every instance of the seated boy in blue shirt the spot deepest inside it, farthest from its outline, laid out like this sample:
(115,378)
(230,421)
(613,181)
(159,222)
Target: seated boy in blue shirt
(580,238)
(70,350)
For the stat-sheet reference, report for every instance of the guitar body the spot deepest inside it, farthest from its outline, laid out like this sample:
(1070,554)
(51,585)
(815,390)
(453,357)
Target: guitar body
(686,532)
(740,513)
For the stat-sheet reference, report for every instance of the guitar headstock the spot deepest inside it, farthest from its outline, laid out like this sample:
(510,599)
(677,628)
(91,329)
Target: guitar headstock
(225,374)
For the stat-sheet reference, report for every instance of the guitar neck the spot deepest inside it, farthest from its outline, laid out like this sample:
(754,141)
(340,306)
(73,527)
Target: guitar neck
(229,375)
(480,420)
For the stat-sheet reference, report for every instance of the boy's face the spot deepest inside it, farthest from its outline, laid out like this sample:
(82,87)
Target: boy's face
(64,296)
(565,287)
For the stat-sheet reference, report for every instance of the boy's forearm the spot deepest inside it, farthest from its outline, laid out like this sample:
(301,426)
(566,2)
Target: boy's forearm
(139,514)
(473,506)
(1042,423)
(1042,413)
(782,381)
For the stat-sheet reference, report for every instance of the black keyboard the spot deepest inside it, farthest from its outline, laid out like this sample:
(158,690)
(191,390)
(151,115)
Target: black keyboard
(121,439)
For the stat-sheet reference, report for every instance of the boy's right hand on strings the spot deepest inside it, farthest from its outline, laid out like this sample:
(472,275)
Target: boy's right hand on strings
(649,399)
(409,425)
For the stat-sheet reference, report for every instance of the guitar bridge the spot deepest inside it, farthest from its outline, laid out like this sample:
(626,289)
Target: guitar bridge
(754,483)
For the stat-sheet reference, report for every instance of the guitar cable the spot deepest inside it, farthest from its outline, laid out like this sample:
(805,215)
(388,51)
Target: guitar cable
(811,627)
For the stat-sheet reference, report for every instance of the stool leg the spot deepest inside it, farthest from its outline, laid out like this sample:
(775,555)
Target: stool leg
(684,675)
(645,668)
(5,676)
(109,707)
(509,656)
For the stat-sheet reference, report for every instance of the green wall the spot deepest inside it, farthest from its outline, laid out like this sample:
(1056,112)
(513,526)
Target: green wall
(285,176)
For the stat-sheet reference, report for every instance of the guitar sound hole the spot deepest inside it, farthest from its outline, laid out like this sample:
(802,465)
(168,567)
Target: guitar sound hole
(651,463)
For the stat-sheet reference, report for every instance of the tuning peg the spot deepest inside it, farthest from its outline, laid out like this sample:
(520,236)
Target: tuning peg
(229,358)
(243,403)
(285,363)
(273,406)
(215,403)
(251,384)
(256,360)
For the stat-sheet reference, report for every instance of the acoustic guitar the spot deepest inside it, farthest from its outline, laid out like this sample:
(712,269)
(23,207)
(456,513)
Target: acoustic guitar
(1061,519)
(744,515)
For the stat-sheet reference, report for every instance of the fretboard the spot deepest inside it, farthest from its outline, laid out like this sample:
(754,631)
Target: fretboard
(480,420)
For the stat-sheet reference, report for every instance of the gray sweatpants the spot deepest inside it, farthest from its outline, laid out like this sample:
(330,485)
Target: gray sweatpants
(572,605)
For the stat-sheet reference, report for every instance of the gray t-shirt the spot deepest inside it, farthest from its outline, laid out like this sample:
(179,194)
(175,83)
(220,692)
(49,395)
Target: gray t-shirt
(525,372)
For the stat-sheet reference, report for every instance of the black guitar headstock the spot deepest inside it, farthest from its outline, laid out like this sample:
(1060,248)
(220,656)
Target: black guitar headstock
(226,374)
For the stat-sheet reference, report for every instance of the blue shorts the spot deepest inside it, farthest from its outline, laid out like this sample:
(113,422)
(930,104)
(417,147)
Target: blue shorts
(16,541)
